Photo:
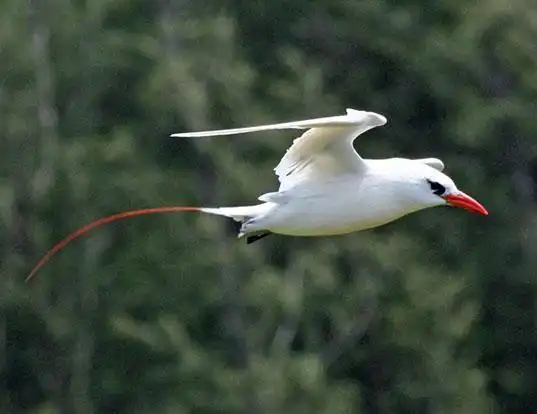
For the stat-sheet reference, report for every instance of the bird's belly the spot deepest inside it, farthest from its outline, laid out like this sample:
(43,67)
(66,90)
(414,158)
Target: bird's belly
(330,217)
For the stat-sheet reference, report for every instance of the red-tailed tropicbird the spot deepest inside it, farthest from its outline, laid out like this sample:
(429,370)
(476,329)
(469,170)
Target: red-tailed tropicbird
(326,188)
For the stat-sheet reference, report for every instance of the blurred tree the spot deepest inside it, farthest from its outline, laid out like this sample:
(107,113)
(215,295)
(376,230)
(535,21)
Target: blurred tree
(432,314)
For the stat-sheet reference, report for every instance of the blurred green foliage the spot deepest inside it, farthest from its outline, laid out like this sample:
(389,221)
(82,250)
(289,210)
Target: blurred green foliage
(434,313)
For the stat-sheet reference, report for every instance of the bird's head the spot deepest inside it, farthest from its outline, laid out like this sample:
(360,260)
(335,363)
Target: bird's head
(436,188)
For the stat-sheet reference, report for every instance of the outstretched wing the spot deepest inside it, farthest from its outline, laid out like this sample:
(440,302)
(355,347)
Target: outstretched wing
(323,151)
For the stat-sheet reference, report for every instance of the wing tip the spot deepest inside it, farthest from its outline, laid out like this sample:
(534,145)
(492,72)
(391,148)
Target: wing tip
(184,135)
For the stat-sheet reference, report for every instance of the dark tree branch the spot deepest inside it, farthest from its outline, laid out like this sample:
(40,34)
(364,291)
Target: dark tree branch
(345,339)
(46,110)
(286,331)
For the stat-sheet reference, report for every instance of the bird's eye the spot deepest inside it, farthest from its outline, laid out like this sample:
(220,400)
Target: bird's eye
(436,188)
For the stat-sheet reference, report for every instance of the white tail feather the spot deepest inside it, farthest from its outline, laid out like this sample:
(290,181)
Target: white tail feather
(237,213)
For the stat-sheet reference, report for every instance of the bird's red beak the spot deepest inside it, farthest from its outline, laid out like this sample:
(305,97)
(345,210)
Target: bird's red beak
(466,202)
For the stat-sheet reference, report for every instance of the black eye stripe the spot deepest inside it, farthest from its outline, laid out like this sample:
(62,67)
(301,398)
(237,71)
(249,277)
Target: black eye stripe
(436,188)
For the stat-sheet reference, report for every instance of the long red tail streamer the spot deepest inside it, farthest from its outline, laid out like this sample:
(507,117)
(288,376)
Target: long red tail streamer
(99,222)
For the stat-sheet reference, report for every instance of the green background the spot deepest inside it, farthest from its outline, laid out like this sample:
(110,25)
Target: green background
(435,313)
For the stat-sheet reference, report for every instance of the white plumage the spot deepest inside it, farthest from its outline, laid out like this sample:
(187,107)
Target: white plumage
(326,188)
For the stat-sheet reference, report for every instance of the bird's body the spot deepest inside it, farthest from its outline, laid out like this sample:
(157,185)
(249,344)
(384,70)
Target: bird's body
(326,188)
(339,205)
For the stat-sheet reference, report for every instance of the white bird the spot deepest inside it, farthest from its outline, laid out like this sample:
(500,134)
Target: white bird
(326,188)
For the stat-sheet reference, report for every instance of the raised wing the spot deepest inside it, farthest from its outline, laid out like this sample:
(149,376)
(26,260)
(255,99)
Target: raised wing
(323,151)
